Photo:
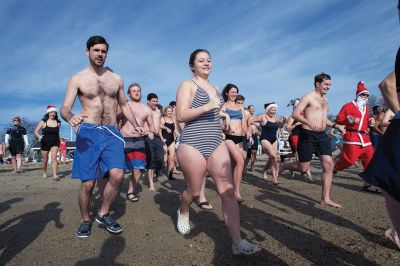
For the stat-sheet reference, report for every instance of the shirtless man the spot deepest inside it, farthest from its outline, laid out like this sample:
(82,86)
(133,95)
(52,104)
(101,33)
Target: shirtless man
(135,151)
(154,147)
(99,145)
(375,128)
(312,138)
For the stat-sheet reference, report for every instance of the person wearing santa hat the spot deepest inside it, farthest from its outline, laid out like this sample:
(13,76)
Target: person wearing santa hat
(49,139)
(16,140)
(356,141)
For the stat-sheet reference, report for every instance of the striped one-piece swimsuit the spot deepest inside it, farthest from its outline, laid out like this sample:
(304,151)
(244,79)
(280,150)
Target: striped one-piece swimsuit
(204,132)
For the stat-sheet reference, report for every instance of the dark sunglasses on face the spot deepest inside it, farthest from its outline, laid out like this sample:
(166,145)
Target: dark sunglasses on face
(364,94)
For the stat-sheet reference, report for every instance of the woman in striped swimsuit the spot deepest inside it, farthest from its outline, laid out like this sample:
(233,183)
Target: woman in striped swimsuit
(202,149)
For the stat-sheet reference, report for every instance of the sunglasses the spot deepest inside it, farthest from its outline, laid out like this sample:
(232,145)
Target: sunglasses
(364,94)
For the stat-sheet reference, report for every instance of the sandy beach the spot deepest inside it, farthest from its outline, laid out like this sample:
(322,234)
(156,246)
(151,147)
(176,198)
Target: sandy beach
(39,218)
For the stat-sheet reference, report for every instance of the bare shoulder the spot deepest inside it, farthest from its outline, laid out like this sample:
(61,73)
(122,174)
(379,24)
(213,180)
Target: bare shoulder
(187,87)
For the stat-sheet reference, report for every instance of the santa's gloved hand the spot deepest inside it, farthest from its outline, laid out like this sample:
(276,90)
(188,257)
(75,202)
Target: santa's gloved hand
(351,119)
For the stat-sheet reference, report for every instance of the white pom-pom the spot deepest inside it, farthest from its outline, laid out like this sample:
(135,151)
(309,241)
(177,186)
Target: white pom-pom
(362,81)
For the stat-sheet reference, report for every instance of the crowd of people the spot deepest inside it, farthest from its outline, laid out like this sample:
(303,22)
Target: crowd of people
(207,132)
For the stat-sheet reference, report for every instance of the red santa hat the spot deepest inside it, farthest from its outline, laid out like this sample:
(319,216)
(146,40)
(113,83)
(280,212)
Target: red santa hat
(361,88)
(51,108)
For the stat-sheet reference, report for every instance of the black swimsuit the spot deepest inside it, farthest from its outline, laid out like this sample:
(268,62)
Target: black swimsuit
(169,137)
(51,138)
(269,131)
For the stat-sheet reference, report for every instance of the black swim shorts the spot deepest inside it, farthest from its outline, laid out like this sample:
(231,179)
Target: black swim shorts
(312,142)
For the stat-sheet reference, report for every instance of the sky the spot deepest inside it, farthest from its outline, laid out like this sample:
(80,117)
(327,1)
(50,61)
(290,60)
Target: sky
(270,49)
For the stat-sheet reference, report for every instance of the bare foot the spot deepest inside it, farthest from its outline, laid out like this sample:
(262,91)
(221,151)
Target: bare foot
(330,203)
(265,175)
(276,182)
(392,236)
(152,189)
(44,175)
(56,178)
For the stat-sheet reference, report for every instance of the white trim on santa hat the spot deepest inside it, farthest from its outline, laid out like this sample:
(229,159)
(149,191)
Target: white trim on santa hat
(51,108)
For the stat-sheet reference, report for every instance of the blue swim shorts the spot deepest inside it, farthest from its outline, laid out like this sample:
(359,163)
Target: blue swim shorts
(97,147)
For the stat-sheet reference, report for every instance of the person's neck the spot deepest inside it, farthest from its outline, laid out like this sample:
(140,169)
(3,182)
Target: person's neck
(201,80)
(99,70)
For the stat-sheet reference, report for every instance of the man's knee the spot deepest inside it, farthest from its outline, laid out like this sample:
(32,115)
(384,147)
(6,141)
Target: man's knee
(116,176)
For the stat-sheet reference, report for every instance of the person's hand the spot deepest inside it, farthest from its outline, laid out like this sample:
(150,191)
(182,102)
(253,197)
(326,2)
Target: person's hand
(40,137)
(341,128)
(298,124)
(371,122)
(351,119)
(168,130)
(75,120)
(212,104)
(251,140)
(140,130)
(227,123)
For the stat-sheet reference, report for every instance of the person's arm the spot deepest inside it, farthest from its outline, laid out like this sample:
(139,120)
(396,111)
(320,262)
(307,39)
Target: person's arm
(36,131)
(162,125)
(183,99)
(69,100)
(7,139)
(300,109)
(378,121)
(26,141)
(150,121)
(333,125)
(176,127)
(386,118)
(389,92)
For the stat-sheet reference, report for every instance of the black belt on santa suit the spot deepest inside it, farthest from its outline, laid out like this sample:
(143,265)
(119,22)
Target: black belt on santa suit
(358,131)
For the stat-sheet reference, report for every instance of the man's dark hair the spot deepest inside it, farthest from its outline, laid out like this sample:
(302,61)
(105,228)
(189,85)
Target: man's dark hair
(321,77)
(92,41)
(248,107)
(375,108)
(160,107)
(172,103)
(240,97)
(151,96)
(134,84)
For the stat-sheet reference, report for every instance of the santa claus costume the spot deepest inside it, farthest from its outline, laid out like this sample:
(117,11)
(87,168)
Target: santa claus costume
(356,141)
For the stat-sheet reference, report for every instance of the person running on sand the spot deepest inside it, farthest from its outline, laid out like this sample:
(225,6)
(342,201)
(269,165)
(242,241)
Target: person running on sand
(154,147)
(252,150)
(63,151)
(294,127)
(313,138)
(17,141)
(169,130)
(98,142)
(49,140)
(135,150)
(202,149)
(383,170)
(356,141)
(235,135)
(270,125)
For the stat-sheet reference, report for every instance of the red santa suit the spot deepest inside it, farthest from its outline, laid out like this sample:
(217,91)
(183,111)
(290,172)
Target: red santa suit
(356,141)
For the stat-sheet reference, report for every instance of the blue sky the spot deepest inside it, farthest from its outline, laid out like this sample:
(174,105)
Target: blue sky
(270,49)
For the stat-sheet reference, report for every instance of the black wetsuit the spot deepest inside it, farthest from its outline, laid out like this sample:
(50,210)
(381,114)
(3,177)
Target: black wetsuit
(16,141)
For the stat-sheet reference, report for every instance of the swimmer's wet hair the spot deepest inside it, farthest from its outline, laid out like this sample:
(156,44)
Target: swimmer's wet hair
(92,41)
